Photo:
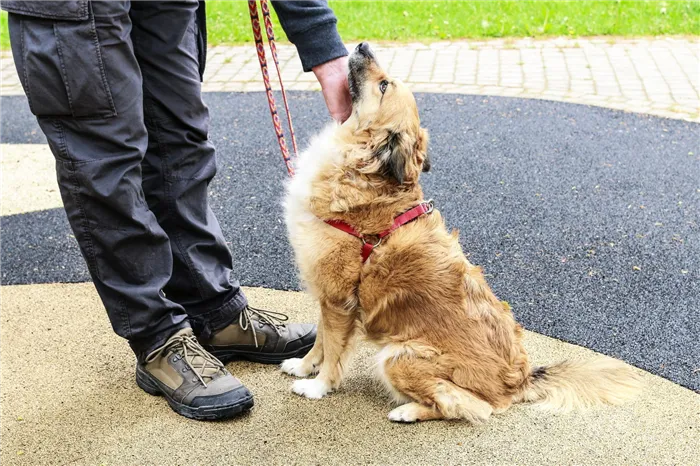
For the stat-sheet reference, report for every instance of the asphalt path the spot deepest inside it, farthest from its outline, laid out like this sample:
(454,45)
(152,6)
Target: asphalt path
(586,220)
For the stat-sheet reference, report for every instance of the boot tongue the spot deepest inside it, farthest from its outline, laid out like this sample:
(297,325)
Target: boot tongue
(187,331)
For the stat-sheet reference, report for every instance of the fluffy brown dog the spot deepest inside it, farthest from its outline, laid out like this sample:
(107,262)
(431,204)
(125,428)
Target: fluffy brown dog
(448,347)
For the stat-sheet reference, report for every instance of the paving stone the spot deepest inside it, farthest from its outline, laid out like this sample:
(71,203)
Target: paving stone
(655,75)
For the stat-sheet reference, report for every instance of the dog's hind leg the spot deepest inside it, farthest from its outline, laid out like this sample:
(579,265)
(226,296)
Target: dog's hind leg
(340,327)
(434,397)
(309,364)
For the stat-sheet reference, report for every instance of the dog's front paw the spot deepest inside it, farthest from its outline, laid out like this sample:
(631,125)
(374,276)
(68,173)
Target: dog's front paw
(297,367)
(311,388)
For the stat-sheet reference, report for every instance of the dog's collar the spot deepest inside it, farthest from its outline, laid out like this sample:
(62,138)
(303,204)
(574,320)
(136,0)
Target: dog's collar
(369,242)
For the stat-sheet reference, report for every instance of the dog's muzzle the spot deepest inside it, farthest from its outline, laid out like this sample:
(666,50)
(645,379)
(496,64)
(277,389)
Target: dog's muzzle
(359,60)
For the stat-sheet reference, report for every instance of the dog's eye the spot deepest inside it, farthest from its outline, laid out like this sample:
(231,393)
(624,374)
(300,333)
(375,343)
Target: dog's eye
(383,85)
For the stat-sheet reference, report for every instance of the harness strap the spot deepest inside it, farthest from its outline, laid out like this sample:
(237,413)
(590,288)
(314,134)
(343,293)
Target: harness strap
(408,216)
(368,246)
(340,225)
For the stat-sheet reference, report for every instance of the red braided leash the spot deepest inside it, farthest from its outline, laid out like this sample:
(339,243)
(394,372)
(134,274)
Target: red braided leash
(257,33)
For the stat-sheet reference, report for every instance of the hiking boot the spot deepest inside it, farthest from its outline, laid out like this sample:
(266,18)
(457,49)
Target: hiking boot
(195,383)
(261,336)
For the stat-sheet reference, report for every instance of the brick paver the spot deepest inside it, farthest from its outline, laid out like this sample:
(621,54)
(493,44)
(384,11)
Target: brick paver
(659,76)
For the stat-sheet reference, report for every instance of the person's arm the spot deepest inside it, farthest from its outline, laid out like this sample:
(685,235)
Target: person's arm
(311,27)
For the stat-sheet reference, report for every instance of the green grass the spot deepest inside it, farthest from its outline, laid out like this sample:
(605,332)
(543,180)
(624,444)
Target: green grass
(228,21)
(4,37)
(431,20)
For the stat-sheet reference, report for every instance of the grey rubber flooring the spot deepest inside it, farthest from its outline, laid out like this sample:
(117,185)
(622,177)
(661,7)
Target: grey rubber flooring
(586,220)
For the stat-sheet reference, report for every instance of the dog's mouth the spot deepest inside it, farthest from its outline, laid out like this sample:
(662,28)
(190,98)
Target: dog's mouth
(359,61)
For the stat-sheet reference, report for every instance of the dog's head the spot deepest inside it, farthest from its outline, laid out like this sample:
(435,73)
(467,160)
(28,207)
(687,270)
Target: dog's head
(385,108)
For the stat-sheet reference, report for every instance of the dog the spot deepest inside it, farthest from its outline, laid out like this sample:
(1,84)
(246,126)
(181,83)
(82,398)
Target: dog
(448,347)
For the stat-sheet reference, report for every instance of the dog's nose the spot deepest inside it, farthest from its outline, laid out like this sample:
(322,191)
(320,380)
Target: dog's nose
(363,48)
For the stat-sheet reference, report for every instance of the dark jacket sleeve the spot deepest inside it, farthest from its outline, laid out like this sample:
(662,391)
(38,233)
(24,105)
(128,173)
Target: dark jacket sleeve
(311,26)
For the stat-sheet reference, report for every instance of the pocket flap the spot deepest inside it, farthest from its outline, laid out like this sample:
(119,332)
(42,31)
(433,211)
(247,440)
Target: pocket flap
(75,10)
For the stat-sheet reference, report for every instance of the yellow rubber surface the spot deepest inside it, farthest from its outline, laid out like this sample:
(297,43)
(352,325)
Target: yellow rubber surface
(69,397)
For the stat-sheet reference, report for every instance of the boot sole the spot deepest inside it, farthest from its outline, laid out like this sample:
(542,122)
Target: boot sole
(201,413)
(226,355)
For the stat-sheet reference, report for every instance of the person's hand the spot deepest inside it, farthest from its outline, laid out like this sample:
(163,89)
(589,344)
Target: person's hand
(333,77)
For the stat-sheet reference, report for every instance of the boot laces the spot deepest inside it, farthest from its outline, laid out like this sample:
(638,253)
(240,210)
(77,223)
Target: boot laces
(270,318)
(200,361)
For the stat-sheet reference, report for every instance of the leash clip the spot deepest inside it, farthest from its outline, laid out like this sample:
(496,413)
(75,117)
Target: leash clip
(431,206)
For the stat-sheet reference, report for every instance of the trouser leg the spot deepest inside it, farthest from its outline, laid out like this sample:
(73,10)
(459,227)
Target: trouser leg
(180,162)
(84,85)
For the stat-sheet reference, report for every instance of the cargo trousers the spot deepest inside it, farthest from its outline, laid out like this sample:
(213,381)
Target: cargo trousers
(116,89)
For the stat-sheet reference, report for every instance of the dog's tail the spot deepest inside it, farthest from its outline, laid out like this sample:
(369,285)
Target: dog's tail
(569,385)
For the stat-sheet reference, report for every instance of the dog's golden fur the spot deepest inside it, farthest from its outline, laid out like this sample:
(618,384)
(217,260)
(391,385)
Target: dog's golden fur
(449,348)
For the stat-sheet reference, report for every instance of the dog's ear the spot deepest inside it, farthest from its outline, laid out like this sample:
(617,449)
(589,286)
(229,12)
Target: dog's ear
(393,152)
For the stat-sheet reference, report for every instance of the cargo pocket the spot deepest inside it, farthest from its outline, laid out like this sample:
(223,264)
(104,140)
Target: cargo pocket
(58,59)
(72,10)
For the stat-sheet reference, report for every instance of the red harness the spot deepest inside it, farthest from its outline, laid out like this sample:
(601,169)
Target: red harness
(368,246)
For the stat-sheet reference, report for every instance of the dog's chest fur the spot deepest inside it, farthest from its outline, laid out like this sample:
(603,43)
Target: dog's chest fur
(308,234)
